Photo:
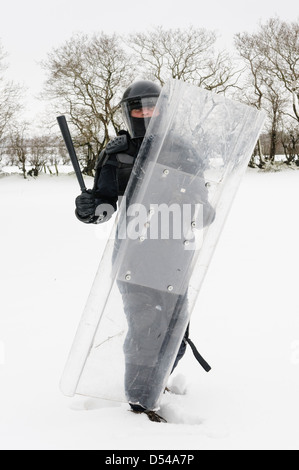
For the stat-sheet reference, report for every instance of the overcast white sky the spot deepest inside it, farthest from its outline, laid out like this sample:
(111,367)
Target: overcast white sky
(31,28)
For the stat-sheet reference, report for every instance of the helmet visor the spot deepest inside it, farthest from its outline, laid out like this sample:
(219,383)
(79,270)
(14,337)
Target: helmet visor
(137,114)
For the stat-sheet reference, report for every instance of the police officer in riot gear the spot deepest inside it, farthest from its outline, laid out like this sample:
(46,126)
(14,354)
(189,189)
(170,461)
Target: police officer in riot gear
(115,163)
(113,171)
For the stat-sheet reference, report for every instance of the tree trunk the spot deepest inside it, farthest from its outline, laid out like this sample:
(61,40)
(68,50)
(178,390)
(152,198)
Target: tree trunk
(273,143)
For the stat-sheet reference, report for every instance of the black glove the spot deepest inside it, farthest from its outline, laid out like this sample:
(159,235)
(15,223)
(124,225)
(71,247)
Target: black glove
(91,210)
(86,206)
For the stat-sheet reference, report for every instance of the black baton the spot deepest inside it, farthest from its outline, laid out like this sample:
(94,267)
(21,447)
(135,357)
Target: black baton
(71,150)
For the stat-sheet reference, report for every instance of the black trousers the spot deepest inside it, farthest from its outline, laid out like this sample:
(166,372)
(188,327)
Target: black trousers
(156,322)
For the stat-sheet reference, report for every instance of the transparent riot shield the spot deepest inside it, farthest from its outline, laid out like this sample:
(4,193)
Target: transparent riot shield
(189,167)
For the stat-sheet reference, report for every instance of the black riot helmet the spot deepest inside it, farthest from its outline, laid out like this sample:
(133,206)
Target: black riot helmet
(138,103)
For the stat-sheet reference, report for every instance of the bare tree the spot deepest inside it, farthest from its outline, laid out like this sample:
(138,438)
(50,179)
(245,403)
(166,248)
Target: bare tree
(279,45)
(9,97)
(275,104)
(184,54)
(39,147)
(273,57)
(56,154)
(252,91)
(18,148)
(85,78)
(262,88)
(289,139)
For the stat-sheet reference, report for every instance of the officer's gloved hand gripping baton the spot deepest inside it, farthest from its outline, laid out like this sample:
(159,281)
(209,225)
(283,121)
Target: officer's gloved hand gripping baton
(103,211)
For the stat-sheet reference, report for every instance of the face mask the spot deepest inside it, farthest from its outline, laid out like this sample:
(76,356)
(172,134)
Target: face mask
(139,126)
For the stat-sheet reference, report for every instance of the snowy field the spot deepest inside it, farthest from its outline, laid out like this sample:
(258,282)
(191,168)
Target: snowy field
(246,325)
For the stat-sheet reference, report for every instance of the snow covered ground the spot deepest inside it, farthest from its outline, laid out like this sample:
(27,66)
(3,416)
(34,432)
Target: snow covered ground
(246,325)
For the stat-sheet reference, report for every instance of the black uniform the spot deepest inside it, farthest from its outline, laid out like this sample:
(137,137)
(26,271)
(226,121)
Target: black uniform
(111,179)
(146,309)
(114,168)
(154,317)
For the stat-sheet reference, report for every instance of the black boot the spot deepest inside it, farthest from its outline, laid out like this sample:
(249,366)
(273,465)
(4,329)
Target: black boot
(152,415)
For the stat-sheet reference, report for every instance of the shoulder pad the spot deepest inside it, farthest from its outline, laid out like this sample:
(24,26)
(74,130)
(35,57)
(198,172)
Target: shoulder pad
(118,144)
